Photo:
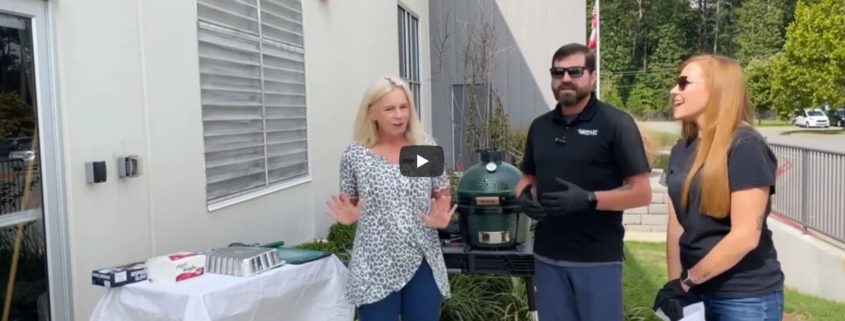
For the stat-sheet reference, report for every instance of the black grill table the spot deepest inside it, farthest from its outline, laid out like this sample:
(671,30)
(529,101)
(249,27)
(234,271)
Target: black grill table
(515,262)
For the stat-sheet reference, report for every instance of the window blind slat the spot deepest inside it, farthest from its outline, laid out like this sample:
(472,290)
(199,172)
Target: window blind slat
(236,187)
(286,173)
(230,157)
(292,9)
(227,18)
(239,131)
(291,37)
(232,126)
(287,135)
(285,112)
(294,76)
(281,20)
(228,142)
(213,80)
(213,38)
(212,96)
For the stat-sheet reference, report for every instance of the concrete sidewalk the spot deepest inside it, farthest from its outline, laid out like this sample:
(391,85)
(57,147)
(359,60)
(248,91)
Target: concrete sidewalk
(643,236)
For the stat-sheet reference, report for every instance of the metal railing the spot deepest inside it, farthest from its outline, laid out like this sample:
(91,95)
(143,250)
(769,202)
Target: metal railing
(11,184)
(810,189)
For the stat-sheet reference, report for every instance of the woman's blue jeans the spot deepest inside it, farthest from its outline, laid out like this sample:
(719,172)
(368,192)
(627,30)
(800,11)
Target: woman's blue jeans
(764,308)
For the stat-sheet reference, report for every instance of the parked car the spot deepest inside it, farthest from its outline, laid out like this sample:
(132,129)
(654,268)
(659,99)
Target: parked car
(810,118)
(837,117)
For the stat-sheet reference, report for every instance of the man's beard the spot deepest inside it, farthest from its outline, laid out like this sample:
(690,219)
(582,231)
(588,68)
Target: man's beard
(568,99)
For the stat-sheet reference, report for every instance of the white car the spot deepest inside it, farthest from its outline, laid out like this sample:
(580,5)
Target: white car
(810,118)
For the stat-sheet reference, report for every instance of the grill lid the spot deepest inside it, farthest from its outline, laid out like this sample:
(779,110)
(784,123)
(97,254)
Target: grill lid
(490,177)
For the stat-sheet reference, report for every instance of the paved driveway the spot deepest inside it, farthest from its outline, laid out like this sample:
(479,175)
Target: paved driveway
(775,135)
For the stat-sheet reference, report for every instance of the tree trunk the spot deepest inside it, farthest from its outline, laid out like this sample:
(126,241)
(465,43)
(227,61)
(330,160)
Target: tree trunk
(716,30)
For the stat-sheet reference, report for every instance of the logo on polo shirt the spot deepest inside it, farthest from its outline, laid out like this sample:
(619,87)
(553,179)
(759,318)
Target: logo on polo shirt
(588,132)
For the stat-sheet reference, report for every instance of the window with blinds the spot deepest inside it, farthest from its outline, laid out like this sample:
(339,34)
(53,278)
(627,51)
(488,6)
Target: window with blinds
(252,76)
(409,58)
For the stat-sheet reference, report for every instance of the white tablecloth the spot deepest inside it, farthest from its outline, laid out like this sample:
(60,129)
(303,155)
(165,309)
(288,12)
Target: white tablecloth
(310,291)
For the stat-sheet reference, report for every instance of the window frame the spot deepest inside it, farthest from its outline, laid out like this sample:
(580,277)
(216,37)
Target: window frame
(409,53)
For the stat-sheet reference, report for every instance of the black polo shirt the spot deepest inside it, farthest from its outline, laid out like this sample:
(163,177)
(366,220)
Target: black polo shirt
(597,150)
(750,164)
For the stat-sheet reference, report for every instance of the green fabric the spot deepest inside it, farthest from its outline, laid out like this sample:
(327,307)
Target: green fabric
(299,256)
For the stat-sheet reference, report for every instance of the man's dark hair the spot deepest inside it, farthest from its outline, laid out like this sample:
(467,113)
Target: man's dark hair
(574,48)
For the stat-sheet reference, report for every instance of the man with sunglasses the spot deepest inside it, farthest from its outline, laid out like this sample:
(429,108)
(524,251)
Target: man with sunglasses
(584,164)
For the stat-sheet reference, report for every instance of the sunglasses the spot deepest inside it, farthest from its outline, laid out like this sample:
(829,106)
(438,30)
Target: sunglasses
(574,72)
(683,82)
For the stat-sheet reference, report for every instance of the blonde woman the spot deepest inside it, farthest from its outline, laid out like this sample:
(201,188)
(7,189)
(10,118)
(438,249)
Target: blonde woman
(721,177)
(397,266)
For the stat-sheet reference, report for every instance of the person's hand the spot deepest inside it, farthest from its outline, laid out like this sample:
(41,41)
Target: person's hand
(572,198)
(344,210)
(529,206)
(440,214)
(671,299)
(524,182)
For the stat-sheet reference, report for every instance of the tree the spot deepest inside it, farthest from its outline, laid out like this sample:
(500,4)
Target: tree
(610,91)
(17,118)
(759,25)
(811,70)
(758,74)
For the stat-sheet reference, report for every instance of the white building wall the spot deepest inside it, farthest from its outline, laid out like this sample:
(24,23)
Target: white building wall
(128,83)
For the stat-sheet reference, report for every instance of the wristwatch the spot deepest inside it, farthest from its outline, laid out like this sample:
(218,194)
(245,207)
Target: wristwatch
(686,280)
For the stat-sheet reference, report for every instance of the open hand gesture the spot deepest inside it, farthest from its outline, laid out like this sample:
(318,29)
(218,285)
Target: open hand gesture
(440,214)
(344,209)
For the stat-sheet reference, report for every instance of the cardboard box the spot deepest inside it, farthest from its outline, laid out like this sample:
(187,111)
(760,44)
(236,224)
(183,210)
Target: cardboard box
(175,267)
(113,277)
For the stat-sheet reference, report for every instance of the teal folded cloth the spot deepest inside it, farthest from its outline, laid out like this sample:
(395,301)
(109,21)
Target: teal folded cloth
(298,256)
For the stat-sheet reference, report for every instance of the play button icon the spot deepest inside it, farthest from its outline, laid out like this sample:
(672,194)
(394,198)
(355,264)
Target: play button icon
(421,161)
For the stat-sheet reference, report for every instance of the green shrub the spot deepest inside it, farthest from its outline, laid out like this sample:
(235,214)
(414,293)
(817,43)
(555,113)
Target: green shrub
(485,297)
(319,246)
(339,242)
(342,235)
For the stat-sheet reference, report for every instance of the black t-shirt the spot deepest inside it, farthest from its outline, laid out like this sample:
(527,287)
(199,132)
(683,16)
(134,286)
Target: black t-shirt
(597,151)
(751,163)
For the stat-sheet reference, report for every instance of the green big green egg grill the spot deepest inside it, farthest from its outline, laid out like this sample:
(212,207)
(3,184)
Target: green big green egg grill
(488,212)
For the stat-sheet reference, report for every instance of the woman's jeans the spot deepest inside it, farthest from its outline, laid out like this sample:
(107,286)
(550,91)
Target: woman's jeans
(419,300)
(764,308)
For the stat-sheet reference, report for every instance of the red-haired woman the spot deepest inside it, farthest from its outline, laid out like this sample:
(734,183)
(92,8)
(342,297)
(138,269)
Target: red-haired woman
(720,179)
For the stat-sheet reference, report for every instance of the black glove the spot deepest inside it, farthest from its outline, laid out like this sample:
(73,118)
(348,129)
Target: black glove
(672,299)
(571,199)
(529,206)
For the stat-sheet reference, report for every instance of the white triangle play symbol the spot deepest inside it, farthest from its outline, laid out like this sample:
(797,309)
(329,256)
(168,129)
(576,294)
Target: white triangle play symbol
(421,161)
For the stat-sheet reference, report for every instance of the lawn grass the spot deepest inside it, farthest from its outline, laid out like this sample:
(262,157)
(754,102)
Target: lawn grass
(645,273)
(664,139)
(772,123)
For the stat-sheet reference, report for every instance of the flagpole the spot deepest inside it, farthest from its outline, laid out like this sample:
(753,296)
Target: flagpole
(598,49)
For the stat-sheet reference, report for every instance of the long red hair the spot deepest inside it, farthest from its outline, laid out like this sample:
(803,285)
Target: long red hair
(728,107)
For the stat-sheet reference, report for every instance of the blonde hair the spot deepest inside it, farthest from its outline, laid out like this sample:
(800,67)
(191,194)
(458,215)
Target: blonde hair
(728,106)
(366,129)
